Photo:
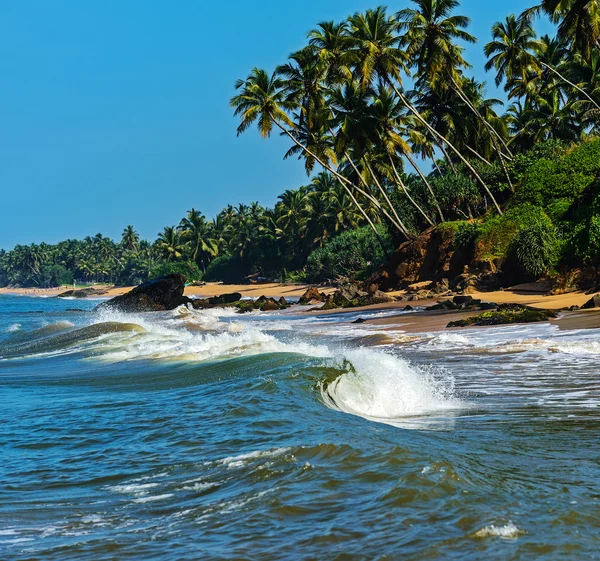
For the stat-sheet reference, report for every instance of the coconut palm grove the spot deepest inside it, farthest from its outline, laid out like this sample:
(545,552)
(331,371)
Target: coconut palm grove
(398,139)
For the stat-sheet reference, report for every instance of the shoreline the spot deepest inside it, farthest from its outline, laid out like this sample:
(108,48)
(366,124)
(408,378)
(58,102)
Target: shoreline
(417,322)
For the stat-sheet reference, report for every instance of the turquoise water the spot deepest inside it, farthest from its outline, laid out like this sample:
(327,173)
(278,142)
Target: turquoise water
(206,435)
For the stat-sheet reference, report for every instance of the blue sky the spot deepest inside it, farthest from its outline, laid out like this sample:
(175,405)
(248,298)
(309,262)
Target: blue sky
(116,112)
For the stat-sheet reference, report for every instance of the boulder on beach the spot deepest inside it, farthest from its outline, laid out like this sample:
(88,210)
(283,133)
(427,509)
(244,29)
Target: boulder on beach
(165,293)
(593,302)
(82,293)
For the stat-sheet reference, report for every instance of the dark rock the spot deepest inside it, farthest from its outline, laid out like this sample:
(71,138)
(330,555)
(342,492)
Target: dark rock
(312,296)
(76,310)
(282,302)
(431,256)
(463,300)
(269,305)
(593,302)
(82,293)
(360,320)
(216,301)
(408,308)
(488,306)
(165,293)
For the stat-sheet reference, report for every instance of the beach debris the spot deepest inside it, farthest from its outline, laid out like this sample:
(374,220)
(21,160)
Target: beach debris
(506,314)
(164,293)
(593,302)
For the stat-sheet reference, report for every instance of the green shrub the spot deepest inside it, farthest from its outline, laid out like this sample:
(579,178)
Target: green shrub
(225,268)
(466,235)
(535,249)
(353,254)
(188,269)
(565,178)
(55,275)
(497,232)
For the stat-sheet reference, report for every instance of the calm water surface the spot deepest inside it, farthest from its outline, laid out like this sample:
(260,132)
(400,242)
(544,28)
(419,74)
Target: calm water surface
(209,435)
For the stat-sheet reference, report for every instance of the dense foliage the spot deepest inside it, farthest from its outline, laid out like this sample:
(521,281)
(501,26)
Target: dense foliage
(394,160)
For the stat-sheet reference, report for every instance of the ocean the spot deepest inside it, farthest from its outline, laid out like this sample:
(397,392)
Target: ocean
(210,435)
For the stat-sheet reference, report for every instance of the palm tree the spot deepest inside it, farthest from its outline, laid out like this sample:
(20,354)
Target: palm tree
(379,55)
(515,54)
(169,244)
(194,230)
(431,35)
(262,98)
(130,239)
(578,22)
(510,51)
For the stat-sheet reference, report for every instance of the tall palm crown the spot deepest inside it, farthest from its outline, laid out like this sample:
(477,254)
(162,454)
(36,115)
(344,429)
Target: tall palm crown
(431,32)
(578,22)
(511,50)
(376,47)
(130,239)
(330,42)
(262,97)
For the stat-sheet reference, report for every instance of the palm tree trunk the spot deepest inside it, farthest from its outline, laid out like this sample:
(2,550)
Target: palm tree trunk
(387,199)
(475,153)
(343,181)
(405,190)
(448,159)
(493,132)
(494,136)
(422,176)
(374,200)
(580,90)
(412,109)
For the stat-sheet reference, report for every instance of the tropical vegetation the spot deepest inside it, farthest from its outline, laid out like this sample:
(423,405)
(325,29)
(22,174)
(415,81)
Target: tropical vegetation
(397,137)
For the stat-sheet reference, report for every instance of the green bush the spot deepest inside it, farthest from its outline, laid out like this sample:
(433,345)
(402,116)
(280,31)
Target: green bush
(188,269)
(535,249)
(353,254)
(565,178)
(55,275)
(466,235)
(225,268)
(497,232)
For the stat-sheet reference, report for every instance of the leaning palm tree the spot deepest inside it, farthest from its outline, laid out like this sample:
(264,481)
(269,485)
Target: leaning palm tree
(262,99)
(378,55)
(515,53)
(431,32)
(578,22)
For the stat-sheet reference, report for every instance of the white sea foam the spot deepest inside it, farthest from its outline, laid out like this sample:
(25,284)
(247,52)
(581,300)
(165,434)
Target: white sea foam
(383,387)
(13,328)
(153,498)
(508,531)
(243,459)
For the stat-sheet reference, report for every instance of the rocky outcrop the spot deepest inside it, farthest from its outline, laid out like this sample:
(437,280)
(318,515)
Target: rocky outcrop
(463,303)
(429,257)
(216,301)
(506,314)
(351,296)
(312,296)
(165,293)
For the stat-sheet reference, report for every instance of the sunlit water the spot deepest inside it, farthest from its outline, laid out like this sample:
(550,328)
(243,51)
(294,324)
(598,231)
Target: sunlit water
(209,435)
